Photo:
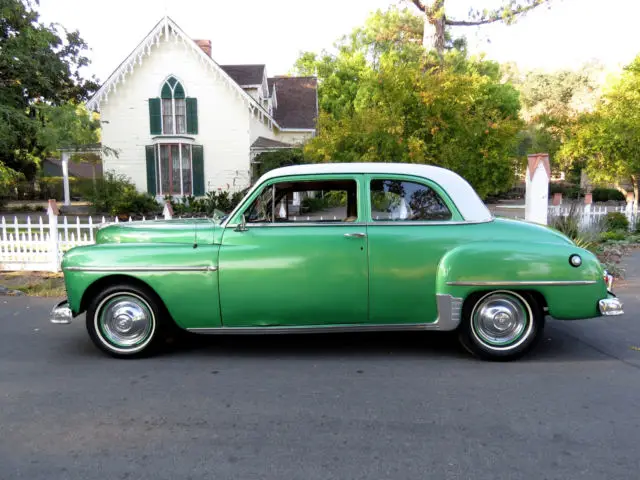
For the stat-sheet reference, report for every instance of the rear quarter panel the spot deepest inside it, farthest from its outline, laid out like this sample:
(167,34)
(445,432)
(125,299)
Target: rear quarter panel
(519,266)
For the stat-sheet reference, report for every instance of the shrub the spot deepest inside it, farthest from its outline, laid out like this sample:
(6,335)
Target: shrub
(607,194)
(115,194)
(616,221)
(568,224)
(567,190)
(315,204)
(613,235)
(222,200)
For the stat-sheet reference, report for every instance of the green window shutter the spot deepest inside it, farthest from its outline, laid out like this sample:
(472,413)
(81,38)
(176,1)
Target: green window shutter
(155,116)
(197,162)
(151,169)
(192,115)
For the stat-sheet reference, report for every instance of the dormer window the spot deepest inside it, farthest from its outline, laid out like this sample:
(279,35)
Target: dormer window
(173,113)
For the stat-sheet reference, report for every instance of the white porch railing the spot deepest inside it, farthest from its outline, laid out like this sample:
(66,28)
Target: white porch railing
(38,245)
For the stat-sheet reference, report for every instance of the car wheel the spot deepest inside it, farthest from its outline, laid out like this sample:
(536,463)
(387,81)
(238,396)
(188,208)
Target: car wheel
(501,325)
(126,321)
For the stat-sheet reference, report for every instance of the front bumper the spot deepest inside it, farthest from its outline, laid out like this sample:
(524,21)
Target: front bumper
(610,306)
(61,313)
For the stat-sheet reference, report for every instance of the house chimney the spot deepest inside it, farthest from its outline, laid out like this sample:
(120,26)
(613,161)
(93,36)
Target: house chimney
(205,45)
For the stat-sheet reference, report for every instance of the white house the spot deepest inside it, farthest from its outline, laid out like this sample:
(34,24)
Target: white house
(182,124)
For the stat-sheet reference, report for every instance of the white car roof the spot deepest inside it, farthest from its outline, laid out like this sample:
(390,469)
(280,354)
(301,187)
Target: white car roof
(463,195)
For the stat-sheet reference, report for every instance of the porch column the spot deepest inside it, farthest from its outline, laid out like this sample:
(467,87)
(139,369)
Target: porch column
(65,177)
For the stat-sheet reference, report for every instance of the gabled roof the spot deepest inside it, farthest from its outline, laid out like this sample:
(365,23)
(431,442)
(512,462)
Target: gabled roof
(245,75)
(263,143)
(168,29)
(297,102)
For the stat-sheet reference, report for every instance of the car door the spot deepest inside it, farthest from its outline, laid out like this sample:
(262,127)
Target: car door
(412,224)
(300,258)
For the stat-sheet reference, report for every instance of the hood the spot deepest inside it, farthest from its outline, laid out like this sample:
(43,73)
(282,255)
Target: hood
(193,231)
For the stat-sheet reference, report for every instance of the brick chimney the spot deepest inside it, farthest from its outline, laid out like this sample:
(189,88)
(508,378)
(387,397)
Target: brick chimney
(205,45)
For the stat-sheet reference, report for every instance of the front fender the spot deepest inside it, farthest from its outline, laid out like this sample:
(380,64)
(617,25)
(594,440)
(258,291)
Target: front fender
(185,278)
(570,292)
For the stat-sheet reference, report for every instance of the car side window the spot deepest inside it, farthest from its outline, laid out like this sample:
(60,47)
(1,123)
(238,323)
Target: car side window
(307,201)
(400,200)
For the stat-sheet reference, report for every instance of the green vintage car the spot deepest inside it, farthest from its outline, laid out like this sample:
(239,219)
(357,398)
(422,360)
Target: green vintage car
(335,248)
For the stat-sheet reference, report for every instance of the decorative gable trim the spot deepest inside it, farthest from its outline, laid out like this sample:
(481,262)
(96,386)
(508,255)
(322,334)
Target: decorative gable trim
(168,29)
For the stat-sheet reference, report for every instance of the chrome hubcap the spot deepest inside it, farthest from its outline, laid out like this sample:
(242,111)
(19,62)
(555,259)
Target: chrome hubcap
(500,319)
(126,321)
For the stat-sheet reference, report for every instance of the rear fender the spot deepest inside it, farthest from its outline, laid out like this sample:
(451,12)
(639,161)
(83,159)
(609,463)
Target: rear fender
(570,292)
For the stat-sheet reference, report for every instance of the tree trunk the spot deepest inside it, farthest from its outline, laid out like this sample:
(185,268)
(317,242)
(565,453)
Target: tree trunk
(636,187)
(434,27)
(621,189)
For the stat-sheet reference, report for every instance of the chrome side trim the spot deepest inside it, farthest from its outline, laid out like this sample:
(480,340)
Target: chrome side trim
(449,316)
(522,282)
(166,268)
(266,330)
(61,314)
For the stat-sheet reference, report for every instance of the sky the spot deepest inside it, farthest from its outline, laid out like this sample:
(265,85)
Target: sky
(273,32)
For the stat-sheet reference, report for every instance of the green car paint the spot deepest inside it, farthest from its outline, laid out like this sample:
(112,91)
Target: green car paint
(212,274)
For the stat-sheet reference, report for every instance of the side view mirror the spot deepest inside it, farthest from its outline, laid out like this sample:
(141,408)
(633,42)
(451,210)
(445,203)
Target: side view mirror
(242,226)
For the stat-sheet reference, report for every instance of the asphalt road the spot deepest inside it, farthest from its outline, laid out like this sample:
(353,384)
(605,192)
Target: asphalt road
(374,406)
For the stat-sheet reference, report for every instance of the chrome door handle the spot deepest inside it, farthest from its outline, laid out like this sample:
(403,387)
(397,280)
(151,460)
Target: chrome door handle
(355,235)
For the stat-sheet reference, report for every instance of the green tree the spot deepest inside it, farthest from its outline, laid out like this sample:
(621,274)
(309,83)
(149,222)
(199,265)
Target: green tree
(73,127)
(398,108)
(267,161)
(39,64)
(550,102)
(607,141)
(436,20)
(8,178)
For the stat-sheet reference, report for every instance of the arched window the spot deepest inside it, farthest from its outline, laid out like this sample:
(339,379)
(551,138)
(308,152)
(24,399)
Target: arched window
(174,107)
(173,113)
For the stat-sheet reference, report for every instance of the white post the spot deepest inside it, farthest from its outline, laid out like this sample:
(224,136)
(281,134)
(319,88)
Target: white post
(537,188)
(629,209)
(586,212)
(65,177)
(54,246)
(167,211)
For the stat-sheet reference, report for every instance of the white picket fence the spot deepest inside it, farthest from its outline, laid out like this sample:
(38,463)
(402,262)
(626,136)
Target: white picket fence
(39,245)
(592,216)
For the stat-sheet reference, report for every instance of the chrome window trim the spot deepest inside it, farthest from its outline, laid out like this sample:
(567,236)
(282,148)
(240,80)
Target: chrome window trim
(425,223)
(521,282)
(368,224)
(275,180)
(166,268)
(423,181)
(300,224)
